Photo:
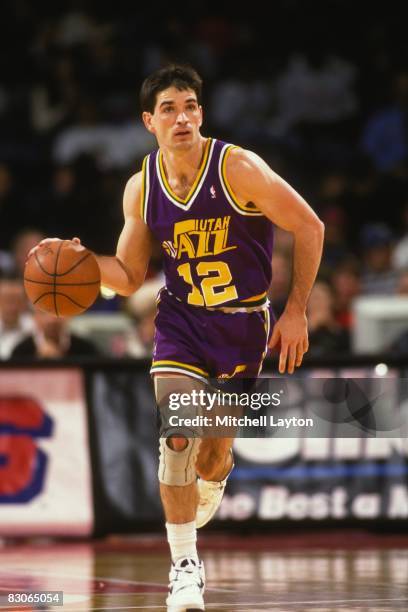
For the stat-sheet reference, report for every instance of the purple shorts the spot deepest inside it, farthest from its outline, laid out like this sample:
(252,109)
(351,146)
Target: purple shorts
(206,343)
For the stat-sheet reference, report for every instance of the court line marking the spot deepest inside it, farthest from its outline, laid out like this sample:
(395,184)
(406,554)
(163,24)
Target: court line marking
(115,580)
(231,605)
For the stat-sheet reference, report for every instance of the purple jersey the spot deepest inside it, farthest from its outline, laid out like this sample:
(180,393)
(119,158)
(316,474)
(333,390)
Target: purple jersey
(217,252)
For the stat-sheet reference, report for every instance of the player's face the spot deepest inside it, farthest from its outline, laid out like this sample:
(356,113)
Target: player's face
(176,120)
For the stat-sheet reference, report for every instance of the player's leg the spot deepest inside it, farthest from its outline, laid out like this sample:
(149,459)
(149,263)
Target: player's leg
(179,495)
(215,461)
(214,464)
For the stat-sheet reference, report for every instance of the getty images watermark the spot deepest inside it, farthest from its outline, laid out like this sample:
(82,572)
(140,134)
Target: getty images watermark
(215,401)
(299,407)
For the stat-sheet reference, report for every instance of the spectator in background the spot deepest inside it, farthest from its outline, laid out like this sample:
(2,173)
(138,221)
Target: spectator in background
(315,87)
(112,145)
(335,248)
(385,136)
(10,206)
(326,336)
(15,321)
(379,277)
(8,220)
(400,344)
(142,306)
(402,286)
(400,254)
(346,285)
(51,339)
(23,242)
(281,281)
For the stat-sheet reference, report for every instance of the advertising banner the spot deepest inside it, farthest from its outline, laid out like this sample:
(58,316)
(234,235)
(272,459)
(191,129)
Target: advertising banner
(337,449)
(330,445)
(45,471)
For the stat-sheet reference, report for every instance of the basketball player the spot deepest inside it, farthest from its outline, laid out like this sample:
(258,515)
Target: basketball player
(212,206)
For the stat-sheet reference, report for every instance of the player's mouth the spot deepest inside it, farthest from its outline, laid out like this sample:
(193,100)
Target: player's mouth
(182,133)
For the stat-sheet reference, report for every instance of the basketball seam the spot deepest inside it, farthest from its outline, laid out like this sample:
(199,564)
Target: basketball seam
(63,295)
(29,280)
(41,267)
(75,265)
(55,276)
(66,271)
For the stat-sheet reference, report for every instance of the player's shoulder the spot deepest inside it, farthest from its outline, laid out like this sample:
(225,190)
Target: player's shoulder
(241,162)
(132,194)
(135,181)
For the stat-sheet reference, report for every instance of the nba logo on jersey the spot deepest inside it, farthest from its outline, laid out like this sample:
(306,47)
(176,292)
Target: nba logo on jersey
(213,192)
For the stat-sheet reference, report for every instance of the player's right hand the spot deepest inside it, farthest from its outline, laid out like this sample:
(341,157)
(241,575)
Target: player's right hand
(48,241)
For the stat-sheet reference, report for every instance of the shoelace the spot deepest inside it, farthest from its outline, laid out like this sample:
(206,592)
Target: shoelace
(186,570)
(183,575)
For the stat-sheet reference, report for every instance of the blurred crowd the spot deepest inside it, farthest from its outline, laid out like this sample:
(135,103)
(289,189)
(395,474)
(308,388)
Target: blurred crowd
(322,96)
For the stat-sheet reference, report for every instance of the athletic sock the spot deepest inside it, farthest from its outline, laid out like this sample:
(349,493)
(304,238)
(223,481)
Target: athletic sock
(182,540)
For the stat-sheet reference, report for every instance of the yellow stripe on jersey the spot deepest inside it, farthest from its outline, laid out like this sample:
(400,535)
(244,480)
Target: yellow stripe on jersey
(241,208)
(254,298)
(143,196)
(197,179)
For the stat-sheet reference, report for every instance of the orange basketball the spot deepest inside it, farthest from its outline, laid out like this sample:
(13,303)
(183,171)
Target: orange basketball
(63,278)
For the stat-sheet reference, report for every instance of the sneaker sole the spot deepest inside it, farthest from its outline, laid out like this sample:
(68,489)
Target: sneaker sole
(184,609)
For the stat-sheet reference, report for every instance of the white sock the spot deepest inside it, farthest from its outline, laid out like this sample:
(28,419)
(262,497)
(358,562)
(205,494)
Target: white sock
(182,540)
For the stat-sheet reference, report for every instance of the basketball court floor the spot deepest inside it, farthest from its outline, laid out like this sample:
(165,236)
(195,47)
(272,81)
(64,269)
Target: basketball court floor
(323,572)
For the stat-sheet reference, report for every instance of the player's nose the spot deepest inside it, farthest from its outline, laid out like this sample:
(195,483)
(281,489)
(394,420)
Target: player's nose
(182,117)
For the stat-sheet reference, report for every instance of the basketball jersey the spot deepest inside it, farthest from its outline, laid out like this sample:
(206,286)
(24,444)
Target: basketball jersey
(217,252)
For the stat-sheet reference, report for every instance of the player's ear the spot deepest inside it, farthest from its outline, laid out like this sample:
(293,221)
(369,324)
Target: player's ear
(200,108)
(148,122)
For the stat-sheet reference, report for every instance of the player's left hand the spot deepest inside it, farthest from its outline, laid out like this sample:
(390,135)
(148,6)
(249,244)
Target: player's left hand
(291,330)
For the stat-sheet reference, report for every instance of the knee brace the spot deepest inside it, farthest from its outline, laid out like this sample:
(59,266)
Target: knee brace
(178,468)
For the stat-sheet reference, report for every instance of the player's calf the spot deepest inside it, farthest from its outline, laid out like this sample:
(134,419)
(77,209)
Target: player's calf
(214,460)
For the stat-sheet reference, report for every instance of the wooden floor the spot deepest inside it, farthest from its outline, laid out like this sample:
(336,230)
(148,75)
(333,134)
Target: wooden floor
(325,572)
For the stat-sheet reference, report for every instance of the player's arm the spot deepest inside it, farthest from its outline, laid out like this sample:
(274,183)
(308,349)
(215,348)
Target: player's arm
(126,271)
(252,180)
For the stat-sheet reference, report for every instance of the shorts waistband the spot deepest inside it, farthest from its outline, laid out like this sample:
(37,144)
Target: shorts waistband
(227,309)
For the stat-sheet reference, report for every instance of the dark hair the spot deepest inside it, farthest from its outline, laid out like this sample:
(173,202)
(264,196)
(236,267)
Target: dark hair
(177,75)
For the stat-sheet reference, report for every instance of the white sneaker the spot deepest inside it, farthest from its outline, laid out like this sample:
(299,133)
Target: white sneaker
(210,497)
(186,588)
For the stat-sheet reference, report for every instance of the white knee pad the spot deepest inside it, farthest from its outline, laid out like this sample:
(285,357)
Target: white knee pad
(178,468)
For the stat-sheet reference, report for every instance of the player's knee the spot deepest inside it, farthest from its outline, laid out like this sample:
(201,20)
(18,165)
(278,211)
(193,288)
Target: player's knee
(178,467)
(177,444)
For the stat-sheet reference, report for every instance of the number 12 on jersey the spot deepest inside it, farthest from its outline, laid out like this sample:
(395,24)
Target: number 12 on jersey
(206,294)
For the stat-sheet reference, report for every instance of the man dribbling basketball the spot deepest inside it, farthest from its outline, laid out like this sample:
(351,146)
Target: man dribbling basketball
(212,206)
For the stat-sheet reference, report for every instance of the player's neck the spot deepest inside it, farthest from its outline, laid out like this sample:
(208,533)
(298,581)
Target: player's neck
(182,164)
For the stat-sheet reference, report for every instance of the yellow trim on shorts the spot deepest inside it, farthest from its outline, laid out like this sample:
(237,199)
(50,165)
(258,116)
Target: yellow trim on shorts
(197,179)
(166,362)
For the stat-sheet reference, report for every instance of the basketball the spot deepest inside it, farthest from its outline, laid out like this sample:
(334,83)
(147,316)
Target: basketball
(62,277)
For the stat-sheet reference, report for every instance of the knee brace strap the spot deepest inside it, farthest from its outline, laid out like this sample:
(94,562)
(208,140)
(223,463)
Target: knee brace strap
(178,468)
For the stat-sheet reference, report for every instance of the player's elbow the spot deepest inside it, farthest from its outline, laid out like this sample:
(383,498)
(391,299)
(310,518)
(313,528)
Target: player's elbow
(316,229)
(130,280)
(320,229)
(132,286)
